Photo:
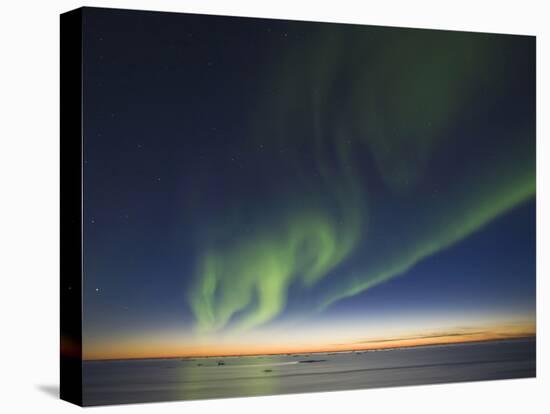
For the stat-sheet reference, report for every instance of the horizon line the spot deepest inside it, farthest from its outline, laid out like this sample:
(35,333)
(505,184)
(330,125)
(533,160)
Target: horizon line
(332,350)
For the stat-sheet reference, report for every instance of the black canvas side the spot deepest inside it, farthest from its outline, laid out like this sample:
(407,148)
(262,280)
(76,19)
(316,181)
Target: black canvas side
(71,206)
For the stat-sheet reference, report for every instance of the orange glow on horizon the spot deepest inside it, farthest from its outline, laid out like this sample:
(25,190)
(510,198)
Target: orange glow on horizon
(147,348)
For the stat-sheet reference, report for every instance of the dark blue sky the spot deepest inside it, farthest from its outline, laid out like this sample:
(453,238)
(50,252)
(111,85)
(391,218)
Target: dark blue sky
(239,173)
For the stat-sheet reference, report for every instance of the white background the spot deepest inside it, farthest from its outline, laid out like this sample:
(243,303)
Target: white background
(29,207)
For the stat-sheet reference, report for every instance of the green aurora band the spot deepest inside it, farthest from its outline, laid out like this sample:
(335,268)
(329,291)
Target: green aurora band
(393,98)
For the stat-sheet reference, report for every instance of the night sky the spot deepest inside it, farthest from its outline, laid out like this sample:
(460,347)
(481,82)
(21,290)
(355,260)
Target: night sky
(253,185)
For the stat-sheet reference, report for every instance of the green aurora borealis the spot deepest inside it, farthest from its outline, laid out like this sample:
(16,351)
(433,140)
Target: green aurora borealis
(364,123)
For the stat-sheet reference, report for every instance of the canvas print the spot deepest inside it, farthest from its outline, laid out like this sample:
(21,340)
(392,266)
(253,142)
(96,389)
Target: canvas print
(273,207)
